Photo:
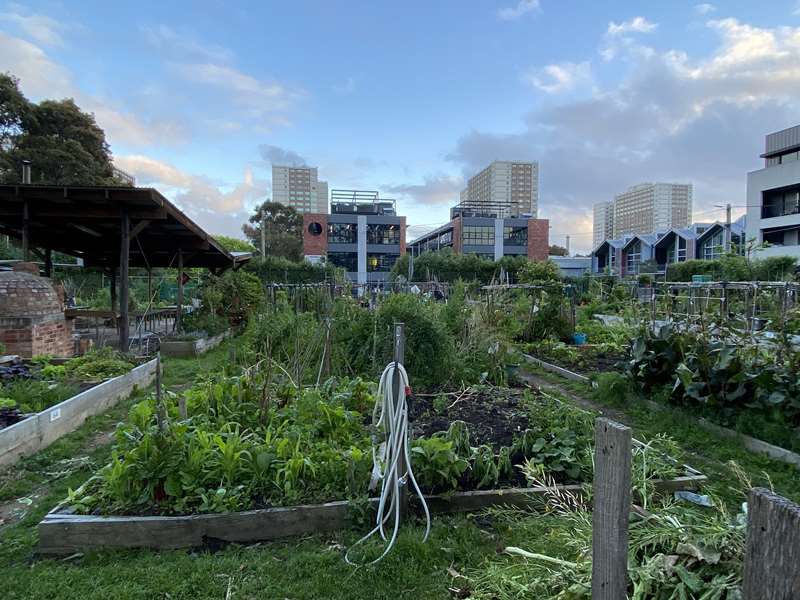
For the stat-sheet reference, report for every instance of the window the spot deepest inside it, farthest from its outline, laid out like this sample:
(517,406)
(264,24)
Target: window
(314,228)
(342,233)
(380,262)
(346,260)
(633,257)
(777,203)
(478,235)
(713,246)
(515,236)
(383,234)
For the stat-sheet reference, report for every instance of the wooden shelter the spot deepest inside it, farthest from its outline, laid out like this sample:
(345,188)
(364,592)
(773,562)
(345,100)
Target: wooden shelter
(113,228)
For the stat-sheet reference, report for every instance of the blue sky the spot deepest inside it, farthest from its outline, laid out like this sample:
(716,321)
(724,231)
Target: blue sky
(197,98)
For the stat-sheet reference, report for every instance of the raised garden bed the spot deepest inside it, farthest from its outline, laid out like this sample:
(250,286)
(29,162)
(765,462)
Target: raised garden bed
(496,418)
(749,442)
(194,347)
(64,532)
(41,429)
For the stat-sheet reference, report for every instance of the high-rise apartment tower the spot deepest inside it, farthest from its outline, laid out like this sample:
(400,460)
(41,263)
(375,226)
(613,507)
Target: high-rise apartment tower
(299,188)
(503,189)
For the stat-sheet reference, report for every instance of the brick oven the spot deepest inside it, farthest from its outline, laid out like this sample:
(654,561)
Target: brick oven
(32,316)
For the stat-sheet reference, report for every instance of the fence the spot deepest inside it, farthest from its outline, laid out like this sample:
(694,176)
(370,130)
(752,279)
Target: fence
(772,550)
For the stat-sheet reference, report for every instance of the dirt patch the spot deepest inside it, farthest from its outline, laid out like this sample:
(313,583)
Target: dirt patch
(494,415)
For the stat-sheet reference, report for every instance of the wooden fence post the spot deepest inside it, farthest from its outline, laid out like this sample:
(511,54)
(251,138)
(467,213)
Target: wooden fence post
(772,553)
(399,358)
(612,506)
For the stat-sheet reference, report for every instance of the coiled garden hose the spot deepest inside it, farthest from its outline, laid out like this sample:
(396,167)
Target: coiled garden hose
(391,415)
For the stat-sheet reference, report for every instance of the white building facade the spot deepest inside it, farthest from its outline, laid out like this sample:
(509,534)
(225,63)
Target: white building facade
(649,207)
(300,188)
(603,221)
(512,186)
(773,196)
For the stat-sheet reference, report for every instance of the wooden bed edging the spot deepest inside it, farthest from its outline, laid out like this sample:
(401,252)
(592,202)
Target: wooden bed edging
(753,444)
(62,532)
(188,348)
(42,429)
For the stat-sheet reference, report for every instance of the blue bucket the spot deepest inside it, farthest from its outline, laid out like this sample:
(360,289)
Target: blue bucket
(579,339)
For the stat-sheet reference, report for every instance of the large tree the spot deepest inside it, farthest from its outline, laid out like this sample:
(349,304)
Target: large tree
(64,144)
(284,230)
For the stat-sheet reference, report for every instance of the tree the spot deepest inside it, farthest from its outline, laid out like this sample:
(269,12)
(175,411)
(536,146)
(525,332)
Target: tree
(64,144)
(556,250)
(284,232)
(232,244)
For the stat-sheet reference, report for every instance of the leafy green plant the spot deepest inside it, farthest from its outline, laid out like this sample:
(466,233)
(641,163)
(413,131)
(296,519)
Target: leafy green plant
(435,463)
(484,468)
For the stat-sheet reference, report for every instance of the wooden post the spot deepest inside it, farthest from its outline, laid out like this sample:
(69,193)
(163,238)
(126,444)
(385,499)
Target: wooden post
(26,232)
(160,412)
(773,547)
(124,283)
(612,506)
(48,263)
(114,309)
(179,300)
(399,359)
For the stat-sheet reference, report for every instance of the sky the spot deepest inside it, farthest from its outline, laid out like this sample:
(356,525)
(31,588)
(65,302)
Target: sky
(410,98)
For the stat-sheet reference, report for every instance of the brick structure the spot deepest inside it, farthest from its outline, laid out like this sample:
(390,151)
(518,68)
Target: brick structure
(32,317)
(456,235)
(402,236)
(315,240)
(538,239)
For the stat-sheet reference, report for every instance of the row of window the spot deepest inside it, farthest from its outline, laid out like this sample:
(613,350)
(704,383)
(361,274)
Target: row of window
(347,233)
(376,263)
(482,235)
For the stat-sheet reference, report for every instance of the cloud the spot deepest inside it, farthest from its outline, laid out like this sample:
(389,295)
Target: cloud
(218,208)
(265,102)
(41,77)
(704,9)
(674,117)
(275,155)
(165,38)
(561,77)
(796,10)
(39,28)
(345,88)
(523,7)
(635,25)
(440,189)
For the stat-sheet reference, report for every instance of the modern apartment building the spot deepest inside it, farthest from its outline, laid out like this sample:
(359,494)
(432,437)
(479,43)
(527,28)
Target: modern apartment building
(603,222)
(513,186)
(649,207)
(488,236)
(362,234)
(773,196)
(299,188)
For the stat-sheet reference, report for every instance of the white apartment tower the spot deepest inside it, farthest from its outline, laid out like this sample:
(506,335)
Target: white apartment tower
(651,207)
(505,188)
(299,188)
(603,222)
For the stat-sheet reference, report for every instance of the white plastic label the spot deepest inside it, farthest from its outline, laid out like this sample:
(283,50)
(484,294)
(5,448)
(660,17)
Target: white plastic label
(55,414)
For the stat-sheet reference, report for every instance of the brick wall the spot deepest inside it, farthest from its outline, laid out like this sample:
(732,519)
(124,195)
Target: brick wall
(538,239)
(315,245)
(457,235)
(53,338)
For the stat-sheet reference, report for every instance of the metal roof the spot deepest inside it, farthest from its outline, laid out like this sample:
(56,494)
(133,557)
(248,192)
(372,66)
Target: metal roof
(86,222)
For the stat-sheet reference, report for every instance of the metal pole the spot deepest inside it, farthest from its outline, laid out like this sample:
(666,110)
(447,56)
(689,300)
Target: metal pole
(263,235)
(727,228)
